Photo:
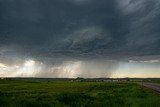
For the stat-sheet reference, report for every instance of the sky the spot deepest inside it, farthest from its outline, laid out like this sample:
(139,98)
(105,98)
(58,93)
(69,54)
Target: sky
(80,38)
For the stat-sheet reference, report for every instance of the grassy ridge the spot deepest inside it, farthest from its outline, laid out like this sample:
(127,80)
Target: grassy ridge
(15,93)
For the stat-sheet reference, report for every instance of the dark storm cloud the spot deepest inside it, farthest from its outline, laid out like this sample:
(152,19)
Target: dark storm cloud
(80,28)
(143,36)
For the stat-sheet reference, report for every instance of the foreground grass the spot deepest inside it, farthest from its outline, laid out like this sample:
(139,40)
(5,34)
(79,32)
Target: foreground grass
(15,93)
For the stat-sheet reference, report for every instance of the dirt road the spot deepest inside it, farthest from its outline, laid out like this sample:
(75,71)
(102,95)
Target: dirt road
(153,86)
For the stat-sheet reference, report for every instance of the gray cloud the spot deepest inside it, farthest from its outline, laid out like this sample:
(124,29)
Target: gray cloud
(80,27)
(56,31)
(38,24)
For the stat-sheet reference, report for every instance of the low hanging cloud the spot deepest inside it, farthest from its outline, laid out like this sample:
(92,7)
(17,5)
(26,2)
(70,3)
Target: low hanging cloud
(67,69)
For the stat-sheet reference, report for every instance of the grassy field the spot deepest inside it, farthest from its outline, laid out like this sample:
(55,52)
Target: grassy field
(14,93)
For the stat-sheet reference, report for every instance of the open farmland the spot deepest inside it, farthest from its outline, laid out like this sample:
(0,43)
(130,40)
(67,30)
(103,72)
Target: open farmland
(29,93)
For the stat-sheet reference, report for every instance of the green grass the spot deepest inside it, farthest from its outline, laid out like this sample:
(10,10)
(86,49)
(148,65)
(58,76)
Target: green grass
(14,93)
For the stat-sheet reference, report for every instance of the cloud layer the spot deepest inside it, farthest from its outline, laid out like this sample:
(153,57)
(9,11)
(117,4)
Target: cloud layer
(81,27)
(56,31)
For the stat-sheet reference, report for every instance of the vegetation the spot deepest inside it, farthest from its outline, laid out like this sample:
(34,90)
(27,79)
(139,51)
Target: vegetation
(20,93)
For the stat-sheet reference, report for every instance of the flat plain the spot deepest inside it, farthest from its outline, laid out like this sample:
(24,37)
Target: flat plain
(29,93)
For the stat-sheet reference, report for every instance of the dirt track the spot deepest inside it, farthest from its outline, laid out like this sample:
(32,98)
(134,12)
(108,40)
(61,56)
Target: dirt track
(153,86)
